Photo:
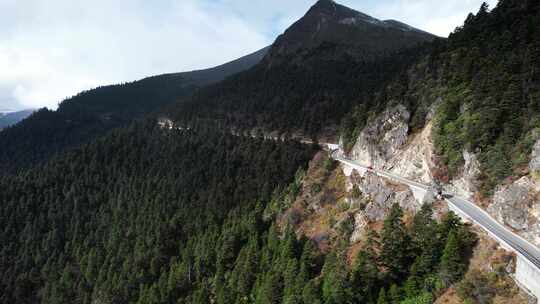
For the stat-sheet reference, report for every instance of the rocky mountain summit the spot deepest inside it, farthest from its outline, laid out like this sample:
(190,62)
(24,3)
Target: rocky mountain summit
(356,34)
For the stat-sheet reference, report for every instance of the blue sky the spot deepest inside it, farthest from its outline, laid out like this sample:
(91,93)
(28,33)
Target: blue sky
(52,49)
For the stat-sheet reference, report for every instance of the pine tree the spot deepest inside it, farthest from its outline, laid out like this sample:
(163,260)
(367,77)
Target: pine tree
(394,294)
(310,259)
(270,291)
(425,242)
(246,267)
(452,266)
(310,294)
(395,245)
(289,245)
(382,297)
(335,289)
(291,291)
(423,298)
(410,287)
(365,272)
(450,222)
(484,9)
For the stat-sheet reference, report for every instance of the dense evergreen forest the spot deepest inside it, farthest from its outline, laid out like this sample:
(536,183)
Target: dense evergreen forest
(121,214)
(82,118)
(289,97)
(487,75)
(147,215)
(322,65)
(492,105)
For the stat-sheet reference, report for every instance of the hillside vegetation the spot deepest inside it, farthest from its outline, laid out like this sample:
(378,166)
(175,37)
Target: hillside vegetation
(487,76)
(131,211)
(93,113)
(314,73)
(147,215)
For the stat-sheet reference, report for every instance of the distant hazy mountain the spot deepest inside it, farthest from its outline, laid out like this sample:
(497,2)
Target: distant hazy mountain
(93,113)
(8,118)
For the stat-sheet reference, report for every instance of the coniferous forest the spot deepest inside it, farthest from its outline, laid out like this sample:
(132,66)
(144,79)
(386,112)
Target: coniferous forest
(126,211)
(147,215)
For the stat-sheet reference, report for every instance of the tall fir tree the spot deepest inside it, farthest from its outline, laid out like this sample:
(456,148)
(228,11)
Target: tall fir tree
(395,253)
(452,265)
(365,272)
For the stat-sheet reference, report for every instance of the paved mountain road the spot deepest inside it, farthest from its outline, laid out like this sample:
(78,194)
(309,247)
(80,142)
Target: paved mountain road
(502,234)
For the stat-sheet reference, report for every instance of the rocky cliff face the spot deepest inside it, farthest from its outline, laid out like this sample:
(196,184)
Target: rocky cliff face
(386,143)
(534,165)
(378,196)
(517,205)
(466,183)
(383,137)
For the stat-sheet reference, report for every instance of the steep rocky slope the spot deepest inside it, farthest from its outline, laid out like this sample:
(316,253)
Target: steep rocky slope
(337,208)
(466,116)
(385,143)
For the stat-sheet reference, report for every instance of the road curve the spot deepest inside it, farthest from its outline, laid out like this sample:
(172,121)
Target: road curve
(502,234)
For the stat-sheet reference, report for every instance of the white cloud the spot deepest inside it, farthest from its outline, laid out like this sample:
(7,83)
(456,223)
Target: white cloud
(437,17)
(52,49)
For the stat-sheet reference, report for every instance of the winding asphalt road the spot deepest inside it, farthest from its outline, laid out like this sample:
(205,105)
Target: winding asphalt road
(496,230)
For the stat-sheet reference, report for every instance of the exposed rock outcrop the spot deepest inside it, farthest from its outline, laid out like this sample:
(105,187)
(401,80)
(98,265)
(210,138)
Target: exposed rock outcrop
(415,159)
(517,206)
(534,165)
(382,137)
(385,143)
(360,224)
(379,195)
(466,183)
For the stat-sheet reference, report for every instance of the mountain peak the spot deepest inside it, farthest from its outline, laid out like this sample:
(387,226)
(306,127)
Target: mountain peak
(324,5)
(330,8)
(358,34)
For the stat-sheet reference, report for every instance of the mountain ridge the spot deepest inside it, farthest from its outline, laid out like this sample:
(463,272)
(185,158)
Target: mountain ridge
(313,73)
(11,117)
(365,36)
(95,112)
